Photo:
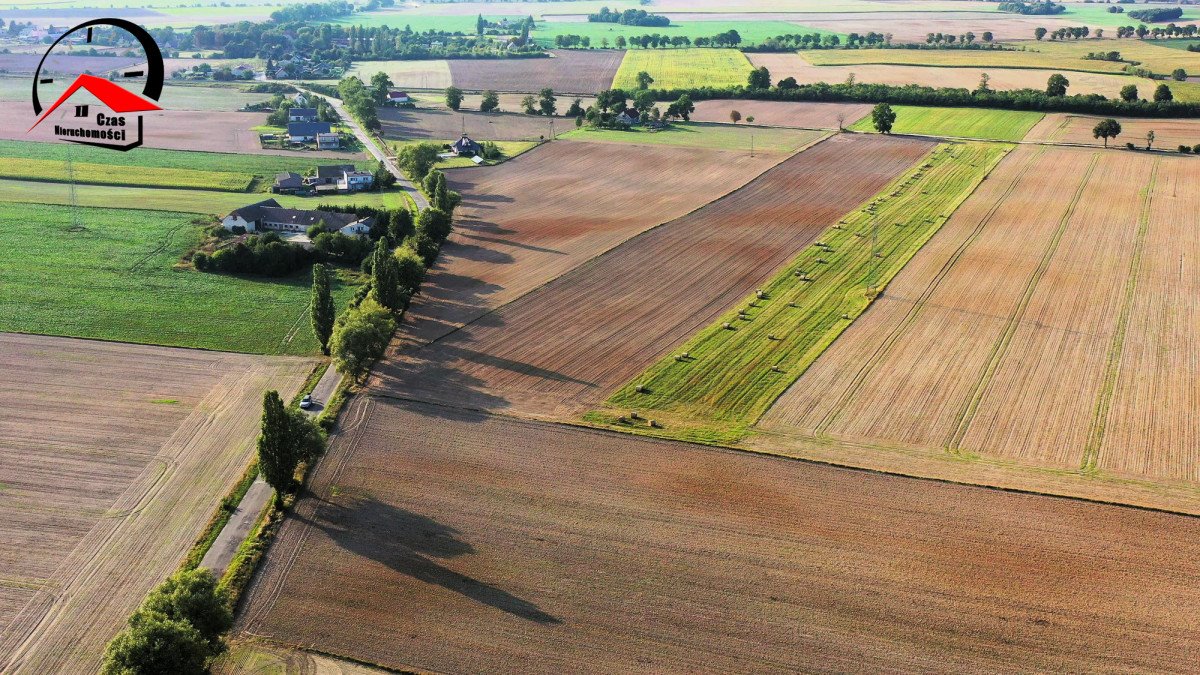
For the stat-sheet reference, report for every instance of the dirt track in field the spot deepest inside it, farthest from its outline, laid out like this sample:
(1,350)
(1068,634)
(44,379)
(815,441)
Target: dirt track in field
(1043,324)
(112,459)
(1168,134)
(516,546)
(531,219)
(783,113)
(568,72)
(562,348)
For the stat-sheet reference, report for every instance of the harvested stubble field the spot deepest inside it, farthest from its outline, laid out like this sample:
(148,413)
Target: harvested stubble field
(683,68)
(960,58)
(981,123)
(527,221)
(999,79)
(705,135)
(783,113)
(62,63)
(568,71)
(1169,134)
(913,26)
(433,74)
(550,354)
(113,458)
(112,276)
(1159,59)
(443,123)
(736,367)
(1041,326)
(517,546)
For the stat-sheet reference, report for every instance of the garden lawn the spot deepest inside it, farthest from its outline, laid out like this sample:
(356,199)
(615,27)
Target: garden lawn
(684,68)
(732,375)
(997,125)
(752,32)
(113,277)
(701,135)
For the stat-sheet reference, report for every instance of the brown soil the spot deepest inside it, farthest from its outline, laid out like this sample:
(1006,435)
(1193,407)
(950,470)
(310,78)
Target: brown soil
(529,220)
(114,457)
(57,64)
(569,71)
(561,349)
(1168,134)
(443,124)
(469,543)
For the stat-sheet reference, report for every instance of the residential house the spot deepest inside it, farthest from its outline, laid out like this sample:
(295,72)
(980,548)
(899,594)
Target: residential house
(302,115)
(629,117)
(288,183)
(268,215)
(354,181)
(306,132)
(330,174)
(329,141)
(398,98)
(466,147)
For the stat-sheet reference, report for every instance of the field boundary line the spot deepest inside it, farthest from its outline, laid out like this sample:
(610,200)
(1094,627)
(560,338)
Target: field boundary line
(919,304)
(583,264)
(1000,350)
(1112,366)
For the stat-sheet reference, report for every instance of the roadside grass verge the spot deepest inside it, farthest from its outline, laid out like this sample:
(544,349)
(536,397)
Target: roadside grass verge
(731,376)
(704,135)
(983,123)
(113,277)
(684,68)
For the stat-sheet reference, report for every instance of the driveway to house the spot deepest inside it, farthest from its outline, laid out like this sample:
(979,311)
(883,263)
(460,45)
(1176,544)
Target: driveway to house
(372,147)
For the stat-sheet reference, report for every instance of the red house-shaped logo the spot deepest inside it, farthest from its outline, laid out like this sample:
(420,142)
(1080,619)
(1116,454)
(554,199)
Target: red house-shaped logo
(114,96)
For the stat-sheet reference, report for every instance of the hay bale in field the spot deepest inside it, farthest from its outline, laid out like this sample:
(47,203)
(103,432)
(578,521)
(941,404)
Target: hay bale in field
(727,326)
(654,424)
(641,389)
(846,316)
(633,415)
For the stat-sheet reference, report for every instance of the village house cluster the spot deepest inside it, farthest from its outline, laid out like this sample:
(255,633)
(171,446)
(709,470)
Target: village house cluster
(269,215)
(329,179)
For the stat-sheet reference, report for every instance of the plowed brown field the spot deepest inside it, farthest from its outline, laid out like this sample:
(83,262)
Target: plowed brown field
(1043,324)
(531,219)
(441,540)
(444,124)
(112,459)
(1168,134)
(563,348)
(783,113)
(567,72)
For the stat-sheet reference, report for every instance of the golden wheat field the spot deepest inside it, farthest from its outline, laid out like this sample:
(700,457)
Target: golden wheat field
(1048,323)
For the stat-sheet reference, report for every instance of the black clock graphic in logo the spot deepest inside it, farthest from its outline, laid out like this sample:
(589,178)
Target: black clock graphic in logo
(130,91)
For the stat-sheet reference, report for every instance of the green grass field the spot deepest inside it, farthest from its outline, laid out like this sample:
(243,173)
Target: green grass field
(186,201)
(964,58)
(731,377)
(115,280)
(1152,55)
(701,135)
(107,174)
(752,32)
(1096,15)
(684,68)
(998,125)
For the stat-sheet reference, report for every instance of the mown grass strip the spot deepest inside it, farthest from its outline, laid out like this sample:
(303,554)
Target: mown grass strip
(55,171)
(731,375)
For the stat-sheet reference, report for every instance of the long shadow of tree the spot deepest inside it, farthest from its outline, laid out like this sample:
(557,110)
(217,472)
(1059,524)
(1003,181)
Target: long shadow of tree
(411,544)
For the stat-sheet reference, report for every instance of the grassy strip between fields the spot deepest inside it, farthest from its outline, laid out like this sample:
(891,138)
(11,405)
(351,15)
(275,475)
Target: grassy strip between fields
(737,367)
(980,123)
(55,171)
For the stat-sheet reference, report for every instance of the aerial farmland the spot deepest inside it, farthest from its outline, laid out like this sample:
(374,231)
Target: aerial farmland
(579,336)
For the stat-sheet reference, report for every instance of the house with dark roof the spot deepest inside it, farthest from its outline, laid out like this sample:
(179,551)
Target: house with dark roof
(306,132)
(330,174)
(629,117)
(466,147)
(268,215)
(288,183)
(302,114)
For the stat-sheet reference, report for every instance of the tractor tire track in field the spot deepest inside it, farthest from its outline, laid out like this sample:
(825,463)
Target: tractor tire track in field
(163,244)
(1001,348)
(881,353)
(1112,368)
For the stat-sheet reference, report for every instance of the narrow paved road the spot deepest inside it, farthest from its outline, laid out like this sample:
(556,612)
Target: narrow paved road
(373,147)
(325,388)
(241,521)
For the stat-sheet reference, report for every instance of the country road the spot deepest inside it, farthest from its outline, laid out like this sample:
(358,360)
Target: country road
(372,147)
